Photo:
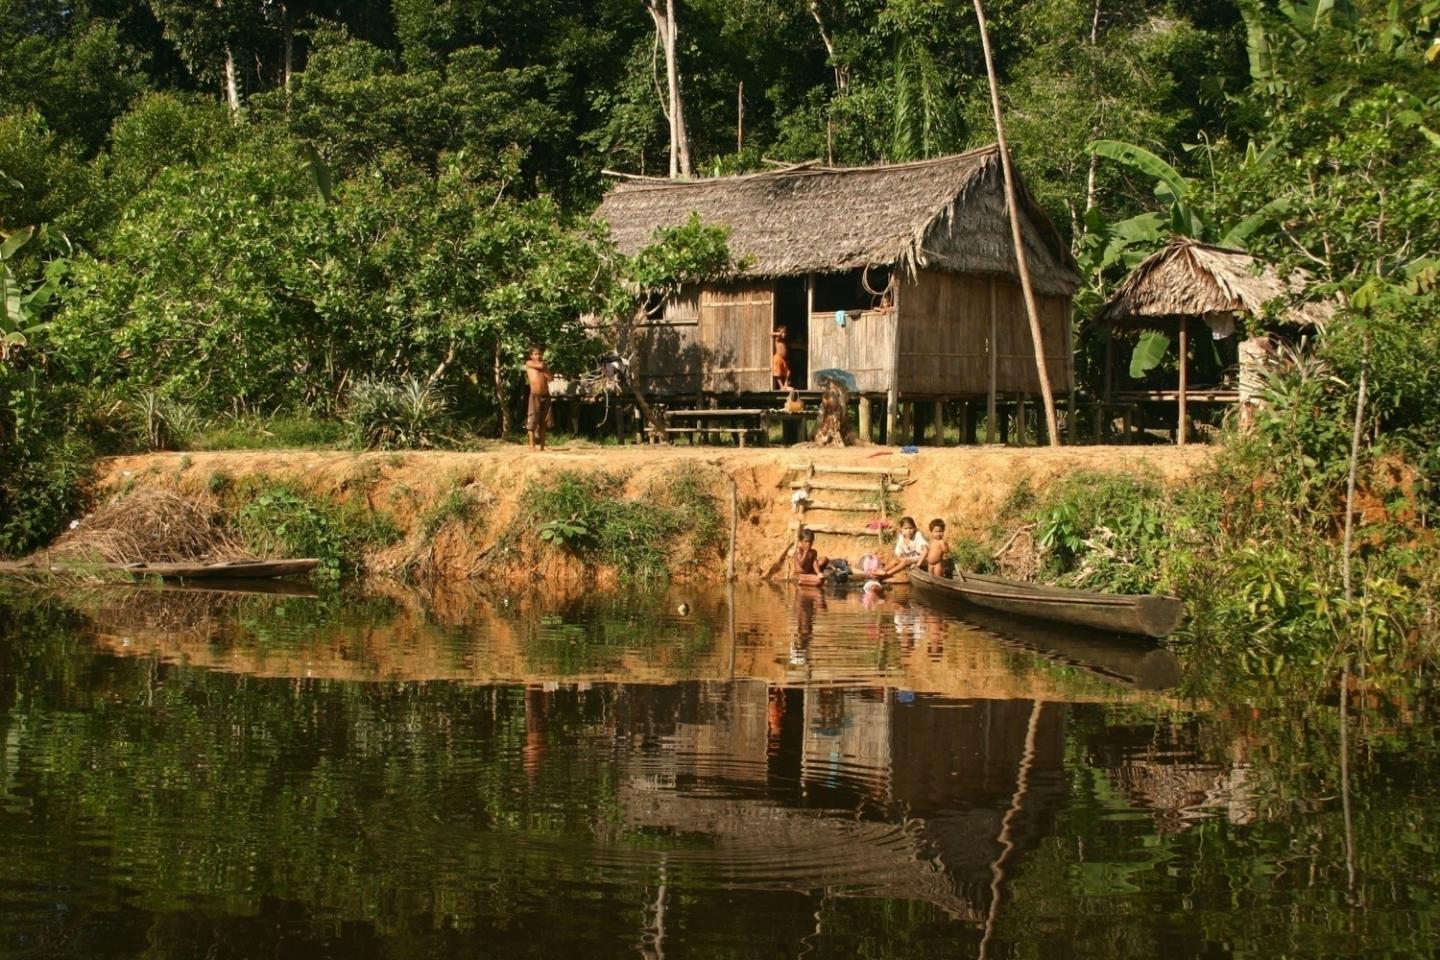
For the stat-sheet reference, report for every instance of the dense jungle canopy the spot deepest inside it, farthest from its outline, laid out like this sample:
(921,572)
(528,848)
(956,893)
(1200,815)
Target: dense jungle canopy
(289,211)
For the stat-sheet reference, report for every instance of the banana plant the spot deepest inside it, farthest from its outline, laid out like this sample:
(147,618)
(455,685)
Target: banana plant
(22,304)
(1130,241)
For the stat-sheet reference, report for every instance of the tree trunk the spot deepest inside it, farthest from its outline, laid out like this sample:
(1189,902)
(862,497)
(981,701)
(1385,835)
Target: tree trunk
(833,427)
(1349,540)
(501,402)
(1031,309)
(666,29)
(232,83)
(289,31)
(842,72)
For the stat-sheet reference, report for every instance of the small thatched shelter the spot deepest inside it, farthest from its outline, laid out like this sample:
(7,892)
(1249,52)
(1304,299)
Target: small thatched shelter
(903,275)
(1188,281)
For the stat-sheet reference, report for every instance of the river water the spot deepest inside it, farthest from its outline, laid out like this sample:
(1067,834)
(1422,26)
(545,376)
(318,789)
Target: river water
(686,773)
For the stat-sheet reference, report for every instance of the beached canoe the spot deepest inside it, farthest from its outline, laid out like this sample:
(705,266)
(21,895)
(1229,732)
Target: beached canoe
(1145,615)
(239,570)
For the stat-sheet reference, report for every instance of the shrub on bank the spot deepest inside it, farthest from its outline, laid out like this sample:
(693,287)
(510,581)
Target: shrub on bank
(278,519)
(677,523)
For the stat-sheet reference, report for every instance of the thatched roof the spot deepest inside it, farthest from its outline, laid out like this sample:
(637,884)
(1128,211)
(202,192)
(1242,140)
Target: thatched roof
(1192,279)
(944,214)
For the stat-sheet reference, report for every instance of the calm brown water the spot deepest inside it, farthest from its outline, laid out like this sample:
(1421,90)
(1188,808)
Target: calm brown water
(765,774)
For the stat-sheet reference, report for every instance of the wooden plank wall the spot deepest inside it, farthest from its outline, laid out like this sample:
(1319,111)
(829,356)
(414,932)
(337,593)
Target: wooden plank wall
(945,322)
(865,346)
(735,345)
(668,349)
(716,339)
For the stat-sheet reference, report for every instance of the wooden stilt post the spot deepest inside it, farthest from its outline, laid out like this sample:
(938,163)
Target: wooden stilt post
(990,405)
(1109,385)
(1182,432)
(939,422)
(865,433)
(892,415)
(966,423)
(1020,425)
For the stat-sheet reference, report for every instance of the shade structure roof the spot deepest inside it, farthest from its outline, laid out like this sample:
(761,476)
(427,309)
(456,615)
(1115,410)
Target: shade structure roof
(944,214)
(1191,279)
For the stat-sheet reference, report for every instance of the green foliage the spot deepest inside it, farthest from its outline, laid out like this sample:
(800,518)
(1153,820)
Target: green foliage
(1101,529)
(677,523)
(279,519)
(279,432)
(383,416)
(42,482)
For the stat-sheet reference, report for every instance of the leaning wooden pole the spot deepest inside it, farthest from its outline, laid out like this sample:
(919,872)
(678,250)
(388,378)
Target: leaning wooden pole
(1031,309)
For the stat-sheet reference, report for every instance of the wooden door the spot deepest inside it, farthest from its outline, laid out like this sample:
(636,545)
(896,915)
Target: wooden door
(734,336)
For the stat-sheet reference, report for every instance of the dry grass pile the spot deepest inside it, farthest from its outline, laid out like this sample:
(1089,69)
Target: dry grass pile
(152,526)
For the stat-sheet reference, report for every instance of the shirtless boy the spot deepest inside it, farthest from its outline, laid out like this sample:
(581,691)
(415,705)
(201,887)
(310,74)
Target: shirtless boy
(937,554)
(910,548)
(537,414)
(809,565)
(779,360)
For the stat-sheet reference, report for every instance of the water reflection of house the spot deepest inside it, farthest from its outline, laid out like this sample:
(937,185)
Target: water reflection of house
(865,790)
(1165,774)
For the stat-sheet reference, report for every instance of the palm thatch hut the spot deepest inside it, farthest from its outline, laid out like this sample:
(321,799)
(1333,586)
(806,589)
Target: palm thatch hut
(903,275)
(1188,282)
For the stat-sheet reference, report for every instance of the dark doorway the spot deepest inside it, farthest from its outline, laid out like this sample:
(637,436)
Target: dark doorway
(792,311)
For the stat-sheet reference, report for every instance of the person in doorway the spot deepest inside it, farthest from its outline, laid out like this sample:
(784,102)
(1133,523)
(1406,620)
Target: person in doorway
(538,414)
(910,548)
(780,360)
(810,566)
(937,553)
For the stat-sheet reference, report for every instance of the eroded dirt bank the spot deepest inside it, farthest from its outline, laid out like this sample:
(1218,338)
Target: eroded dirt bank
(964,485)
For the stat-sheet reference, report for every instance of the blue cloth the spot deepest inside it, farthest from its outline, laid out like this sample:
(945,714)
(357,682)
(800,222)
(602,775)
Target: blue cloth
(910,448)
(839,318)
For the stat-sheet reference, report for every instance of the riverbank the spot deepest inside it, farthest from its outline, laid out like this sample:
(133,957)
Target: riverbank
(473,515)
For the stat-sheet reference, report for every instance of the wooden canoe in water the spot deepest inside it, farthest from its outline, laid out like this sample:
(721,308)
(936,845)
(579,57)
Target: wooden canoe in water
(239,570)
(1145,615)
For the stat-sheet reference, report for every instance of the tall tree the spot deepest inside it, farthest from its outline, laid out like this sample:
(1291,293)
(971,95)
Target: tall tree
(666,35)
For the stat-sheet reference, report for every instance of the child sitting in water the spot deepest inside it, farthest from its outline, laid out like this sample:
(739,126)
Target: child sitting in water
(910,548)
(809,565)
(937,554)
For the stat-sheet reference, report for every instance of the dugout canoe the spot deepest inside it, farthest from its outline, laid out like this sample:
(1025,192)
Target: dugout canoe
(1145,615)
(238,570)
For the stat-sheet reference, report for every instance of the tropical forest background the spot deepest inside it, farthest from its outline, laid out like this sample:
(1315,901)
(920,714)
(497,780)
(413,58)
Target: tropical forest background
(250,222)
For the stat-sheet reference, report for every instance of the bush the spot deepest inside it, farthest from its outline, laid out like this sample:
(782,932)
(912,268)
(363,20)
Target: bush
(587,514)
(280,520)
(41,489)
(384,416)
(280,432)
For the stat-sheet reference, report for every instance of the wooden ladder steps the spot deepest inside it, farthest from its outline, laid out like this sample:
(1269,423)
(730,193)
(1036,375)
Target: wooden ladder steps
(844,507)
(850,487)
(841,531)
(901,471)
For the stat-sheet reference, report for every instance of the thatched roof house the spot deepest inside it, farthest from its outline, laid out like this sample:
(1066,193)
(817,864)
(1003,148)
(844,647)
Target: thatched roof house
(904,275)
(942,214)
(1192,279)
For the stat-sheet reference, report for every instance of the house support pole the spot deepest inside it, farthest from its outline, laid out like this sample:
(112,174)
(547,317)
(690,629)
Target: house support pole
(1182,431)
(939,421)
(865,433)
(1047,396)
(892,415)
(990,406)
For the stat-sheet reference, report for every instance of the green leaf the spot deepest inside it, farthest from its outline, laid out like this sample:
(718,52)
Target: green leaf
(1174,184)
(15,241)
(1149,351)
